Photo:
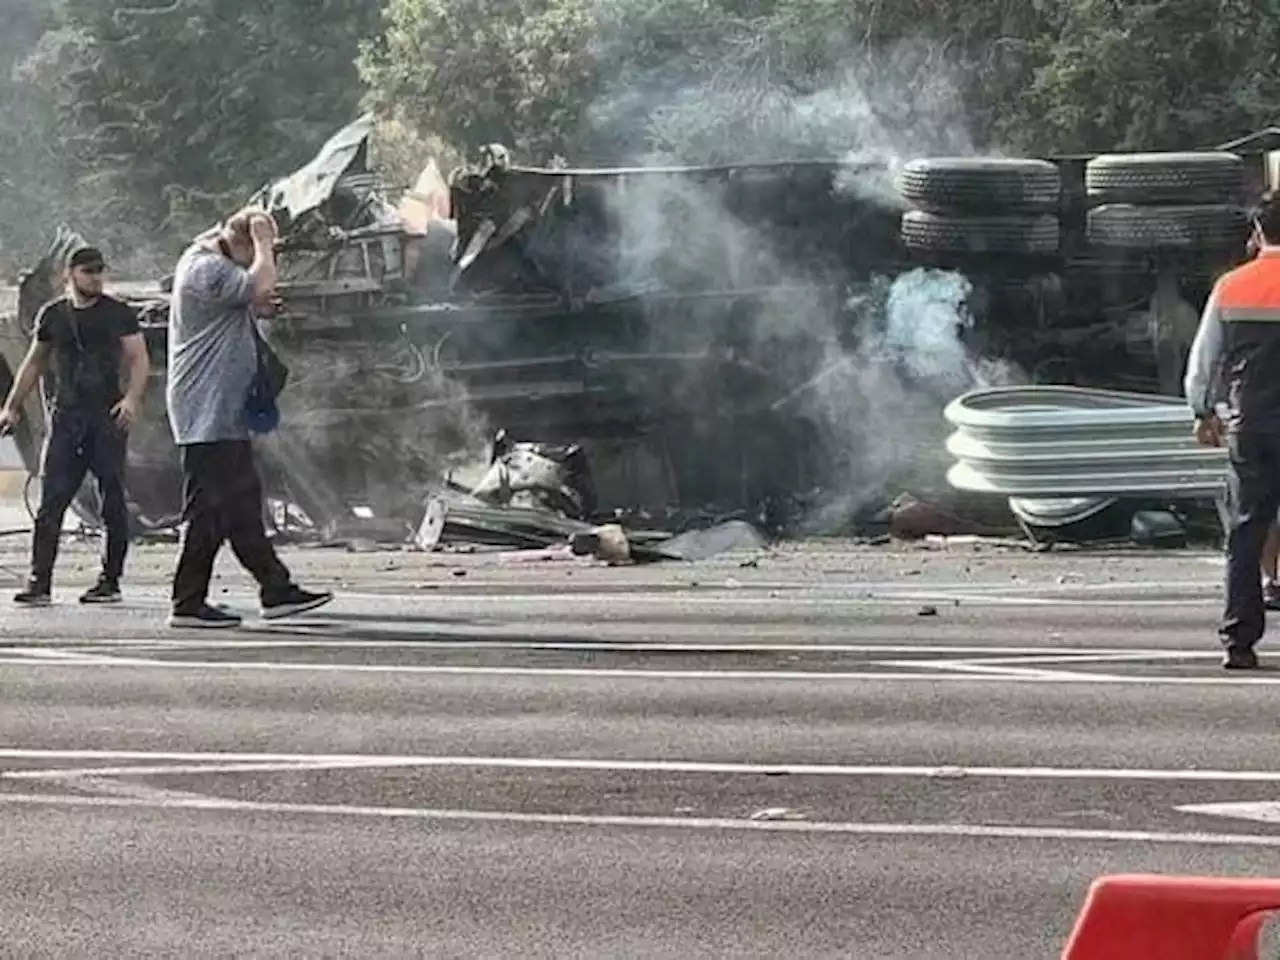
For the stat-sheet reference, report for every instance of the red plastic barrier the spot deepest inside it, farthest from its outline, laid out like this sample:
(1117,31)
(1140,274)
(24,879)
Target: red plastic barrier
(1136,917)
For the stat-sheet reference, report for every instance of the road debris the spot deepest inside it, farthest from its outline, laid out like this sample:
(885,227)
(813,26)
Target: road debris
(536,497)
(778,813)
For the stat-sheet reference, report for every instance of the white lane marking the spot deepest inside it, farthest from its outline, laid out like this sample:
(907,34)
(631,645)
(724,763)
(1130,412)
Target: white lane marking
(998,653)
(164,770)
(908,583)
(448,590)
(743,596)
(79,657)
(575,604)
(934,830)
(978,669)
(938,674)
(121,788)
(1034,666)
(164,762)
(1261,811)
(1094,656)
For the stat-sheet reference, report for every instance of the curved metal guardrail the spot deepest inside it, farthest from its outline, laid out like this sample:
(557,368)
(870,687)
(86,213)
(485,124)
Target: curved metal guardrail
(1060,442)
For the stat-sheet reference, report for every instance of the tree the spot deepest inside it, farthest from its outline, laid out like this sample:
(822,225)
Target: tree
(473,72)
(175,111)
(1173,74)
(34,180)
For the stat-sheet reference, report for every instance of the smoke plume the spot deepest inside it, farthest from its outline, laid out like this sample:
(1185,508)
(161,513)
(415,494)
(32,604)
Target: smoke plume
(870,370)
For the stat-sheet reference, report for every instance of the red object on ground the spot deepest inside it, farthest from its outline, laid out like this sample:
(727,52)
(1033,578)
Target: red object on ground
(1136,917)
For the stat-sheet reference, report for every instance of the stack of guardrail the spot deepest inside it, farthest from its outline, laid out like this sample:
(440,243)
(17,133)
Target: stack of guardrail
(1061,442)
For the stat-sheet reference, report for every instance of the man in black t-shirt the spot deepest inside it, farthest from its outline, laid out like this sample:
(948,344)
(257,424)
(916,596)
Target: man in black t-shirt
(82,341)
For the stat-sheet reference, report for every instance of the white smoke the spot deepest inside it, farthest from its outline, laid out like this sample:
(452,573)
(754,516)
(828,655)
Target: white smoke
(874,372)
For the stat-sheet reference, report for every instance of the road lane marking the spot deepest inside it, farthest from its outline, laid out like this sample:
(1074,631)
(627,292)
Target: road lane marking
(921,673)
(993,654)
(157,763)
(1094,656)
(1261,811)
(978,669)
(802,827)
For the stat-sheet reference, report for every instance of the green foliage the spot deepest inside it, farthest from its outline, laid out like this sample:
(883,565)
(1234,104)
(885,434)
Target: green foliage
(170,112)
(478,71)
(33,178)
(141,120)
(1173,74)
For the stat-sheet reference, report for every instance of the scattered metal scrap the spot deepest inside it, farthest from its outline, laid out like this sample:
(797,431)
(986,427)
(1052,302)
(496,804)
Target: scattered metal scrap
(534,496)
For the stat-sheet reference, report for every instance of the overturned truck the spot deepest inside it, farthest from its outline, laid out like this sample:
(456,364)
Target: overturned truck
(701,331)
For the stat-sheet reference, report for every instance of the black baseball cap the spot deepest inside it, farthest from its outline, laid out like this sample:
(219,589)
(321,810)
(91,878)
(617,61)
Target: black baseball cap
(86,257)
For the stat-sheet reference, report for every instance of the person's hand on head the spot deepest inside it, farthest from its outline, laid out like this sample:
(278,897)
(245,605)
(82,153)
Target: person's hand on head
(262,227)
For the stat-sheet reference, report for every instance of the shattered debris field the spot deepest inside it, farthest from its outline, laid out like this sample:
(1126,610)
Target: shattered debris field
(823,750)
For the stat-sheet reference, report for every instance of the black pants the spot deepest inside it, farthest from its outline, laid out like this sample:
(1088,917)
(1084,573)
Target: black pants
(222,500)
(1254,493)
(78,444)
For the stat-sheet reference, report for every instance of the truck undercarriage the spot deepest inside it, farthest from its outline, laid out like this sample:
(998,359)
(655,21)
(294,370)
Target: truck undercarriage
(702,332)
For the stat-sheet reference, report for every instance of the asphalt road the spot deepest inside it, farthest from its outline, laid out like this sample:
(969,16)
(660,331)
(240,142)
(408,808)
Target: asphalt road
(871,755)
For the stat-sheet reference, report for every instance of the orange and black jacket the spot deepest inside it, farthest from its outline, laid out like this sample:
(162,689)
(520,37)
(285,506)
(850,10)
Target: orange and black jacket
(1238,345)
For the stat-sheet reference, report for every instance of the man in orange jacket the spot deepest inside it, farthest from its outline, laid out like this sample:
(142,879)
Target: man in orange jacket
(1240,335)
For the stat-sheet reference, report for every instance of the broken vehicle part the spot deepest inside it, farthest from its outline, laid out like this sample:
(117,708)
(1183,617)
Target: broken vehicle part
(555,477)
(682,308)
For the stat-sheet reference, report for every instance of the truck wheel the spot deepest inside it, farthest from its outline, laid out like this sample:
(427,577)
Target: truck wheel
(980,185)
(1209,177)
(956,234)
(1204,227)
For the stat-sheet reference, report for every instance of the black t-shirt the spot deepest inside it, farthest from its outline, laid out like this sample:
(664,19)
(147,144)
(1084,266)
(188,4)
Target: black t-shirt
(87,355)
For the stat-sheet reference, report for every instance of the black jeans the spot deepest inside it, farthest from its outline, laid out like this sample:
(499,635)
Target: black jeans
(77,444)
(1253,489)
(222,500)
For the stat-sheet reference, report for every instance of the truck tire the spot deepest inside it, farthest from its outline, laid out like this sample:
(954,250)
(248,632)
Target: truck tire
(956,234)
(1209,177)
(1204,227)
(980,185)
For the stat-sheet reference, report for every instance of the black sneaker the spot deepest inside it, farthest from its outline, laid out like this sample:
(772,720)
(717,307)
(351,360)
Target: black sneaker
(205,618)
(104,591)
(34,596)
(1240,658)
(1271,595)
(293,601)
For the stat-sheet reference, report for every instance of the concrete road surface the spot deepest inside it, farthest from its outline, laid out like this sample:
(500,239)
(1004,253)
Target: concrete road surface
(825,753)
